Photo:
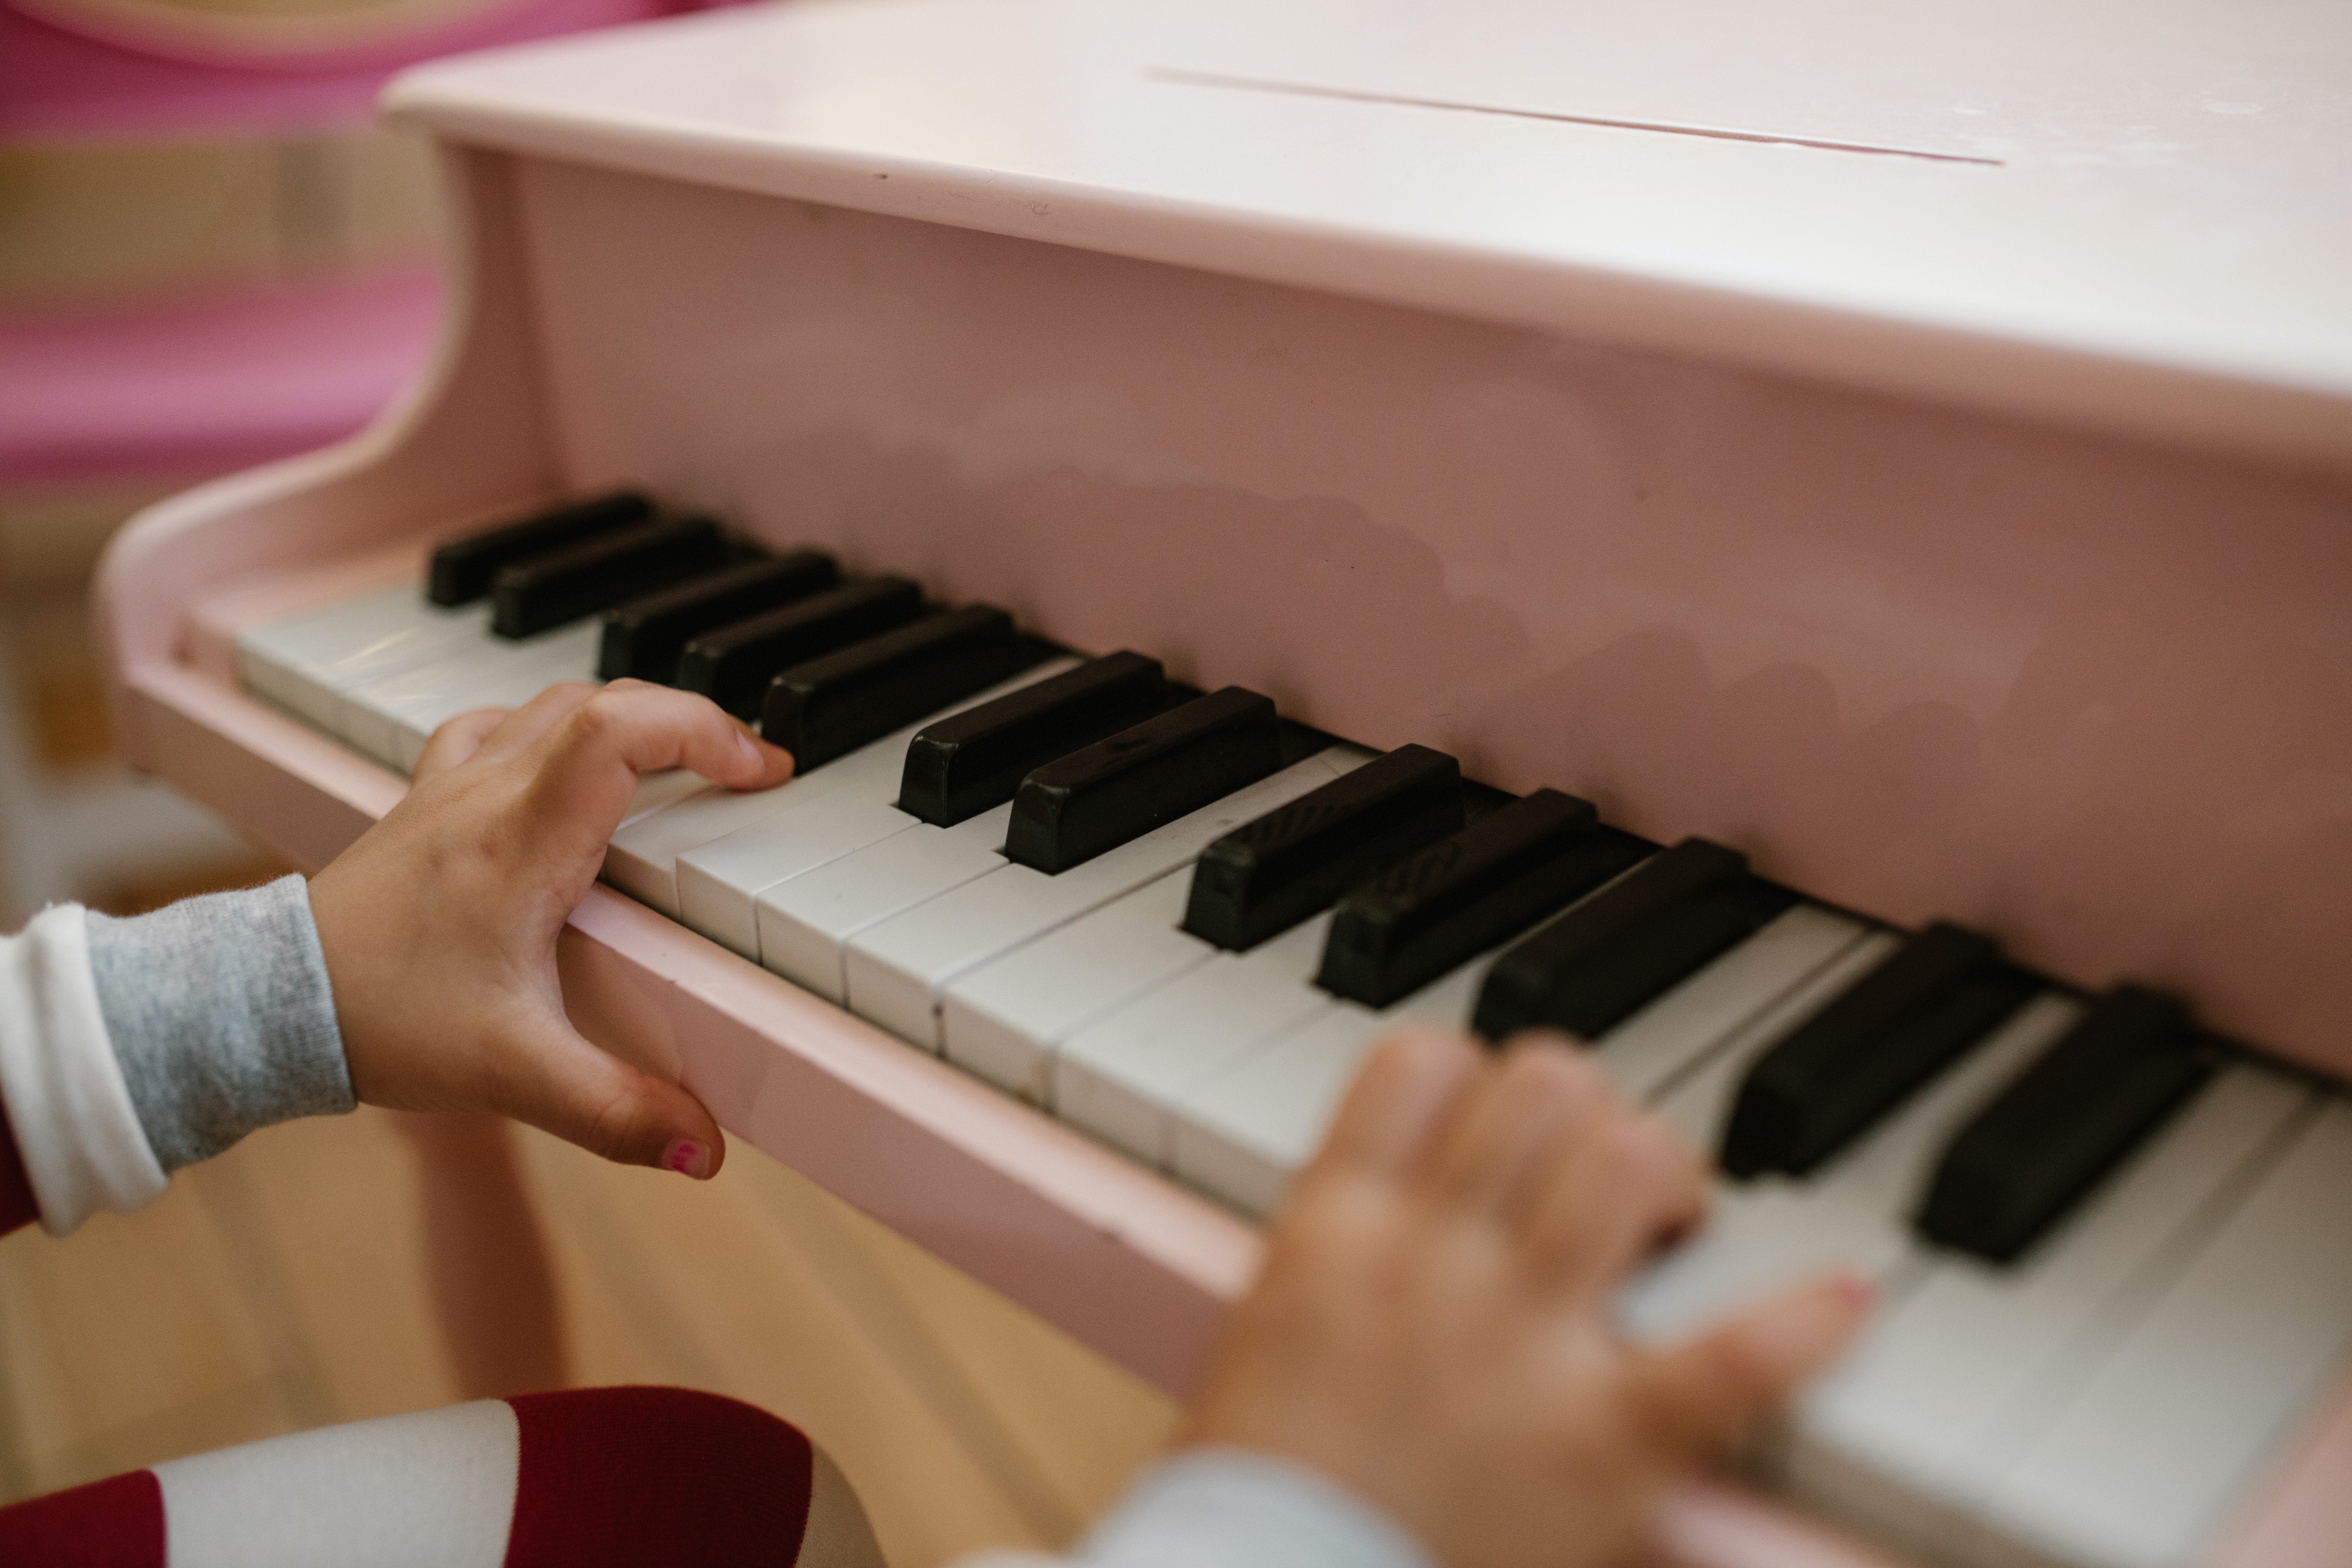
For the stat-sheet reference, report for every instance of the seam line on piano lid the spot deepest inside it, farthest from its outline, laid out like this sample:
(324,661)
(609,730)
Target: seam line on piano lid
(1711,132)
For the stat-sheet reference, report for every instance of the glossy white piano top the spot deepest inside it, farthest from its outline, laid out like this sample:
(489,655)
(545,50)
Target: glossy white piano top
(2138,215)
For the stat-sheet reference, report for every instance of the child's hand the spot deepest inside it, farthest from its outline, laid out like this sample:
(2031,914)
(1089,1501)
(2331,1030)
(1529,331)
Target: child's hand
(439,924)
(1433,1328)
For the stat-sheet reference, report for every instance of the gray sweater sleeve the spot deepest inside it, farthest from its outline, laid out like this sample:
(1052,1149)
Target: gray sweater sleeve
(221,1015)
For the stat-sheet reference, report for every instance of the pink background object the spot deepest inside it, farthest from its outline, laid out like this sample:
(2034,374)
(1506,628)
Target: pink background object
(79,77)
(208,385)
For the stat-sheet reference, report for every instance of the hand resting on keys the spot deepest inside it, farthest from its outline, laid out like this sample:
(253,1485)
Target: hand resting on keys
(438,925)
(1432,1325)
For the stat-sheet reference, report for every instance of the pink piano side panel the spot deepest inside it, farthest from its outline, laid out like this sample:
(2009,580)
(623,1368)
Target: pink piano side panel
(2091,696)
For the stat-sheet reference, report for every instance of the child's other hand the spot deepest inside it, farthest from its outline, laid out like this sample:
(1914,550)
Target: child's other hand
(1433,1328)
(439,924)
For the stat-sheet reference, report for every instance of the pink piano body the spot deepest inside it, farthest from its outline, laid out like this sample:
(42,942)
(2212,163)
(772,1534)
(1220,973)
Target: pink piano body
(1878,515)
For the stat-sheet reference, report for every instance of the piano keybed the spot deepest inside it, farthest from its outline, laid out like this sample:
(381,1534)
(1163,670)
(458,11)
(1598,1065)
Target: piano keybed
(2116,1259)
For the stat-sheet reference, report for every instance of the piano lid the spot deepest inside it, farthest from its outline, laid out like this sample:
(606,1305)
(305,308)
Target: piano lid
(2130,213)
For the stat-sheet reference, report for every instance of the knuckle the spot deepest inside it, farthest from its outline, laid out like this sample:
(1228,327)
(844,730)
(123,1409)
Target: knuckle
(593,720)
(1554,1066)
(610,1132)
(1641,1148)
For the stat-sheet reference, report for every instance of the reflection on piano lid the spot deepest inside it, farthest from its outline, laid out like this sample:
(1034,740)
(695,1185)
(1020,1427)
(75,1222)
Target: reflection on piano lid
(1897,460)
(1915,1108)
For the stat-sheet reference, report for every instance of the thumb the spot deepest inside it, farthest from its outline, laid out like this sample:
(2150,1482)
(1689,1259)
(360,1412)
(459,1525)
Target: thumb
(584,1096)
(1712,1392)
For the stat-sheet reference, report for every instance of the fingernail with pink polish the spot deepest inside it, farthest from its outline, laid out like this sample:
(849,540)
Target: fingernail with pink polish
(748,747)
(688,1158)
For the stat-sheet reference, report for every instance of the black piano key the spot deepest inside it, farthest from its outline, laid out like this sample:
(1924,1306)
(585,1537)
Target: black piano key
(733,665)
(1462,895)
(462,570)
(2068,1120)
(975,759)
(1261,879)
(1857,1059)
(833,705)
(644,637)
(564,584)
(1605,960)
(1072,809)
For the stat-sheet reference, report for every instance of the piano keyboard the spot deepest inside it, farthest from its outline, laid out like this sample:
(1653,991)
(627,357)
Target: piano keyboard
(2115,1253)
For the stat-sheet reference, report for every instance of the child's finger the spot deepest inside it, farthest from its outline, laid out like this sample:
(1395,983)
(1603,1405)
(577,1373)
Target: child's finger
(527,723)
(569,1087)
(649,728)
(585,767)
(1624,1189)
(1408,1089)
(1709,1393)
(456,740)
(1526,1117)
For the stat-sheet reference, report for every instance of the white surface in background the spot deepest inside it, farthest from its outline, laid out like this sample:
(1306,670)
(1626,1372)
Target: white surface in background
(71,834)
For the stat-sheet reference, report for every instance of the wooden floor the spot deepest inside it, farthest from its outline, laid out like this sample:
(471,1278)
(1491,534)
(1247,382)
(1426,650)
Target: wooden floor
(282,1287)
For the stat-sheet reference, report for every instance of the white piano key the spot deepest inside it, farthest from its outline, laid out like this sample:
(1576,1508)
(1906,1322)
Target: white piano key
(1854,1212)
(1006,1020)
(897,970)
(1650,1051)
(449,634)
(707,858)
(1242,1134)
(1117,1078)
(568,653)
(284,661)
(1975,1358)
(326,695)
(803,822)
(805,923)
(2146,1462)
(658,790)
(442,686)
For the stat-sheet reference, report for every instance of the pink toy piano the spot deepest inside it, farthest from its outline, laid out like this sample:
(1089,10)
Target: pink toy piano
(1809,545)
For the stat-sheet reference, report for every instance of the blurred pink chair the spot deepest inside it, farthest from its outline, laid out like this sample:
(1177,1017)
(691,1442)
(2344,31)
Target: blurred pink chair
(204,384)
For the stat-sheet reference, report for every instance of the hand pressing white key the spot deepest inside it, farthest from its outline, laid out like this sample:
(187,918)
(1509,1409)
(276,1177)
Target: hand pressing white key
(1433,1328)
(439,924)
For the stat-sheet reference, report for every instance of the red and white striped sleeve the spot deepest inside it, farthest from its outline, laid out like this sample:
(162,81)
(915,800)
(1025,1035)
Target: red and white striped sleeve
(586,1479)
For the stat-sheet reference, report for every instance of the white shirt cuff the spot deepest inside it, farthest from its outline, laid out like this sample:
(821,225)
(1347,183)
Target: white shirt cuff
(1224,1508)
(70,1111)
